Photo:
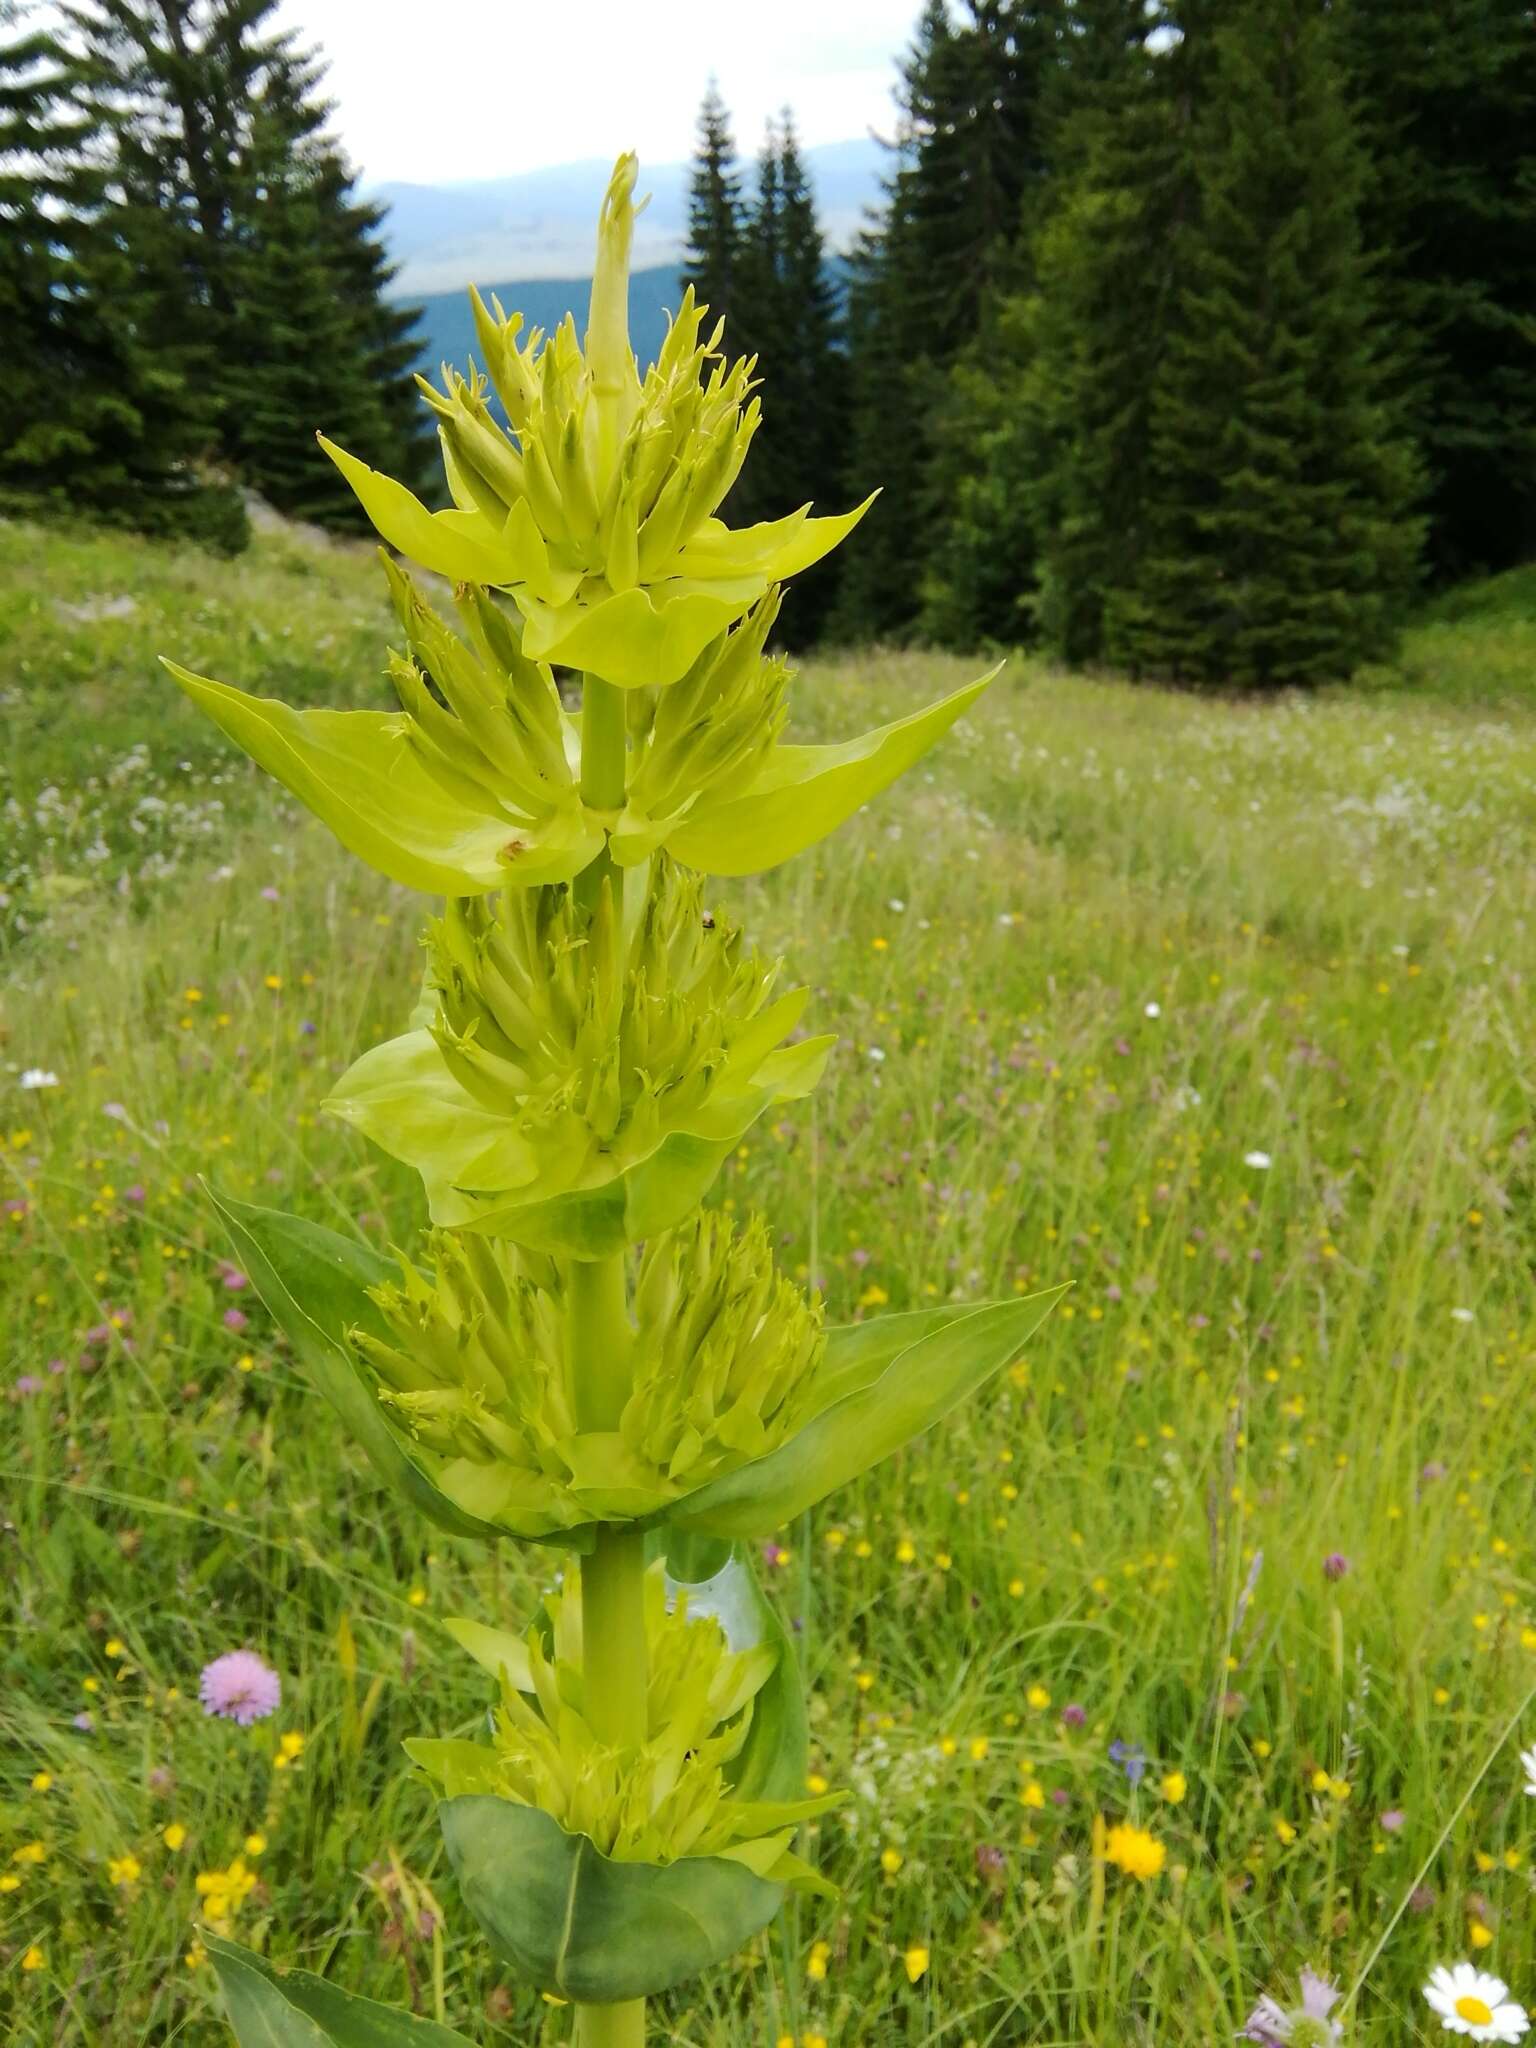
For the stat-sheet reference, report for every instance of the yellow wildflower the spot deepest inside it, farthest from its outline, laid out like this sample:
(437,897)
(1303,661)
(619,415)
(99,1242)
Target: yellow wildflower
(1134,1851)
(916,1961)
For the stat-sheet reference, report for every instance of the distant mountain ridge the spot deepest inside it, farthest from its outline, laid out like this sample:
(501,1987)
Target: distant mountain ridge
(447,330)
(538,224)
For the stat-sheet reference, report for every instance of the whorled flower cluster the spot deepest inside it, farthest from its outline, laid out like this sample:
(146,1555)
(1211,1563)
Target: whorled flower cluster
(588,1061)
(671,1795)
(473,1371)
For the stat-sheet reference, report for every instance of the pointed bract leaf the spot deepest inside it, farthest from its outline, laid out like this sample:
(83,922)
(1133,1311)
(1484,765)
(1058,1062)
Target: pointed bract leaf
(496,1650)
(807,792)
(630,640)
(586,1927)
(298,2010)
(359,774)
(437,540)
(897,1400)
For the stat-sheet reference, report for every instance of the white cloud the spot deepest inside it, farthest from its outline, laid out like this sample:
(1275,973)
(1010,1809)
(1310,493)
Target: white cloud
(488,88)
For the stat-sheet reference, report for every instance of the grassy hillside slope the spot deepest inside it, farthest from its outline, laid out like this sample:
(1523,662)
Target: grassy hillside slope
(1221,1011)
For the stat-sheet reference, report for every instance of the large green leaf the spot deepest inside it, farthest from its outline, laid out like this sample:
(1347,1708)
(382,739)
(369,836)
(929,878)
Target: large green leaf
(805,793)
(360,775)
(303,2011)
(586,1927)
(887,1393)
(315,1284)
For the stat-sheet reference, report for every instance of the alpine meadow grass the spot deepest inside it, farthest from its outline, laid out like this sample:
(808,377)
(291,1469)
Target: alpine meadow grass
(1220,1011)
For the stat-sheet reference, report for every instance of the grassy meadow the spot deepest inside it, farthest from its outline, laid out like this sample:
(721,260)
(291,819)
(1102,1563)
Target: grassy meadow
(1221,1011)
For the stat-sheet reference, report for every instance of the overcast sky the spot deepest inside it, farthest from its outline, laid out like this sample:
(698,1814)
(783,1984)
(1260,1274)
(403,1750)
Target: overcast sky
(484,88)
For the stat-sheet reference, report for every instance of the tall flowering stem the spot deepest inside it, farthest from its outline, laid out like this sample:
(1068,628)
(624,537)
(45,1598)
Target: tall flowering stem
(581,1353)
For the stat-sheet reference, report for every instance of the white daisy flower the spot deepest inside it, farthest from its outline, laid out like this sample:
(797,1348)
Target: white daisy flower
(1528,1759)
(1152,1010)
(1259,1160)
(1471,2002)
(38,1077)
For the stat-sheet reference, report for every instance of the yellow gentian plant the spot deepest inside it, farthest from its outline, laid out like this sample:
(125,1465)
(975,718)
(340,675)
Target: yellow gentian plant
(581,1355)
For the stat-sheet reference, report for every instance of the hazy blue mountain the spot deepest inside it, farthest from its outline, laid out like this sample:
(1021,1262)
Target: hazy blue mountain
(448,330)
(539,223)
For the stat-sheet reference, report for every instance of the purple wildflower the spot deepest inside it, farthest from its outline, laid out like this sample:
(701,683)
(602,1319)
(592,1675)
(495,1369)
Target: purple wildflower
(1073,1715)
(1335,1565)
(235,1319)
(28,1383)
(1273,2027)
(239,1687)
(1131,1758)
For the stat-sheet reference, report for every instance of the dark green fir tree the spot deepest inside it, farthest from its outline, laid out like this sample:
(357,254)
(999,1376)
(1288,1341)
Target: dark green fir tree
(788,315)
(1447,92)
(259,259)
(967,157)
(715,212)
(100,414)
(1274,540)
(992,468)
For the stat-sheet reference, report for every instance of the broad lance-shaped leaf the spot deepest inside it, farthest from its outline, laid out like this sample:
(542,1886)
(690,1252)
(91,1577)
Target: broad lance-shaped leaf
(315,1284)
(893,1384)
(589,1928)
(802,794)
(359,774)
(298,2010)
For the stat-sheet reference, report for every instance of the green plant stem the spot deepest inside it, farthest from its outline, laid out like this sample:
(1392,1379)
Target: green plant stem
(611,2026)
(600,1338)
(602,745)
(613,1662)
(613,1646)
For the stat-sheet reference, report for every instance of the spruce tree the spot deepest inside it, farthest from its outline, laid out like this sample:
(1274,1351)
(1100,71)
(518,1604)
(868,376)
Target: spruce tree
(995,457)
(715,211)
(788,315)
(97,413)
(1273,537)
(1448,92)
(968,153)
(259,261)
